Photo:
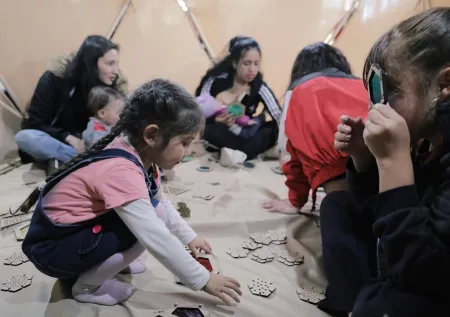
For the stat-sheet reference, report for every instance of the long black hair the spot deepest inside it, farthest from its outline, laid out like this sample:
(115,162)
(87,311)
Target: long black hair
(238,46)
(317,57)
(158,102)
(82,73)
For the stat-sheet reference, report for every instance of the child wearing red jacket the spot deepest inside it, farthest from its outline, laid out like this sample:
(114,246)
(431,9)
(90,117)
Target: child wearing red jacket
(322,89)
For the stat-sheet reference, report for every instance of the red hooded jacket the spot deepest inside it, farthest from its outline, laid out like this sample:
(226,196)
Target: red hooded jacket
(317,102)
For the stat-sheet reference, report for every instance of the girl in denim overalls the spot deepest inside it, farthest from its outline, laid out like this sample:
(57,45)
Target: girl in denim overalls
(100,211)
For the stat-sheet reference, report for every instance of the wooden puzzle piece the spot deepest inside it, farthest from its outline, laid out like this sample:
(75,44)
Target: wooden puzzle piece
(16,283)
(261,287)
(238,252)
(310,295)
(277,236)
(16,259)
(263,255)
(261,238)
(13,220)
(251,245)
(290,258)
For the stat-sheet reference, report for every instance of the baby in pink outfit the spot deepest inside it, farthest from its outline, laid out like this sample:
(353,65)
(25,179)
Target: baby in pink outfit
(244,126)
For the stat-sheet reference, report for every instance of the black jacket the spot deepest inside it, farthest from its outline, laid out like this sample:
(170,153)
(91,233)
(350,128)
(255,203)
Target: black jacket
(412,224)
(260,92)
(55,114)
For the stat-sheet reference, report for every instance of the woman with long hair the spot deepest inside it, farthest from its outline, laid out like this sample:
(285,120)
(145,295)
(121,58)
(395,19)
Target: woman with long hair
(58,111)
(237,78)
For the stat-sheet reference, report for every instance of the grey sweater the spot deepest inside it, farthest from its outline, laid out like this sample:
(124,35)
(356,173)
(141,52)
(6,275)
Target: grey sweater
(96,129)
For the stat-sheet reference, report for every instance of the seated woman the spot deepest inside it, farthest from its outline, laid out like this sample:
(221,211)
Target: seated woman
(58,111)
(238,74)
(322,88)
(404,192)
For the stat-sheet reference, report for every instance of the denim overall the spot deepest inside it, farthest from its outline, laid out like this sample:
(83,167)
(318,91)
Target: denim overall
(65,251)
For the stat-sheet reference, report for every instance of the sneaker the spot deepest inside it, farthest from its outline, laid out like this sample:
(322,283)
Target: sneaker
(52,166)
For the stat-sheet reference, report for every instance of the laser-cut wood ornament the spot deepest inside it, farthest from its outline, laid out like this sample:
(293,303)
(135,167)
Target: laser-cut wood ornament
(16,259)
(17,282)
(238,252)
(263,255)
(290,258)
(310,295)
(14,220)
(261,287)
(251,245)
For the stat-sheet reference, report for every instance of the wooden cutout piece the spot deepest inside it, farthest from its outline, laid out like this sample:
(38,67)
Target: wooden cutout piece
(260,238)
(238,252)
(263,255)
(16,283)
(16,259)
(251,245)
(290,258)
(11,221)
(310,295)
(261,287)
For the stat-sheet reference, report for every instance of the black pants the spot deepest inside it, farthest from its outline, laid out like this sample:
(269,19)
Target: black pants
(218,134)
(349,252)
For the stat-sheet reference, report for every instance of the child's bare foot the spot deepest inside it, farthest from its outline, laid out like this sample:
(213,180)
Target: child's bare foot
(134,268)
(282,206)
(110,293)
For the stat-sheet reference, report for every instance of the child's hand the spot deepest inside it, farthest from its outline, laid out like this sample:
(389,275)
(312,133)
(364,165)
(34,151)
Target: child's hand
(349,136)
(221,286)
(199,244)
(251,122)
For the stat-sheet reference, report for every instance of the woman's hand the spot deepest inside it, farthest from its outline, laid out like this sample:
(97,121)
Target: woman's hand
(199,244)
(76,143)
(349,139)
(282,206)
(225,118)
(224,287)
(386,134)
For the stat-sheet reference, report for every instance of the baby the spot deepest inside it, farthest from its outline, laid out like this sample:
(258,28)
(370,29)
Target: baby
(243,127)
(106,104)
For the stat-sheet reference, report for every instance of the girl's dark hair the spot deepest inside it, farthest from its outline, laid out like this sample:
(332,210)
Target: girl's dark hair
(158,102)
(100,96)
(416,48)
(238,46)
(317,57)
(82,72)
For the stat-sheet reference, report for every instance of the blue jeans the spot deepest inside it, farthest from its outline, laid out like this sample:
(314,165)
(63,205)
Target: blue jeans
(41,146)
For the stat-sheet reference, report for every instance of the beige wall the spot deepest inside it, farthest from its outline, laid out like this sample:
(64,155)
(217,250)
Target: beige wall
(157,41)
(32,32)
